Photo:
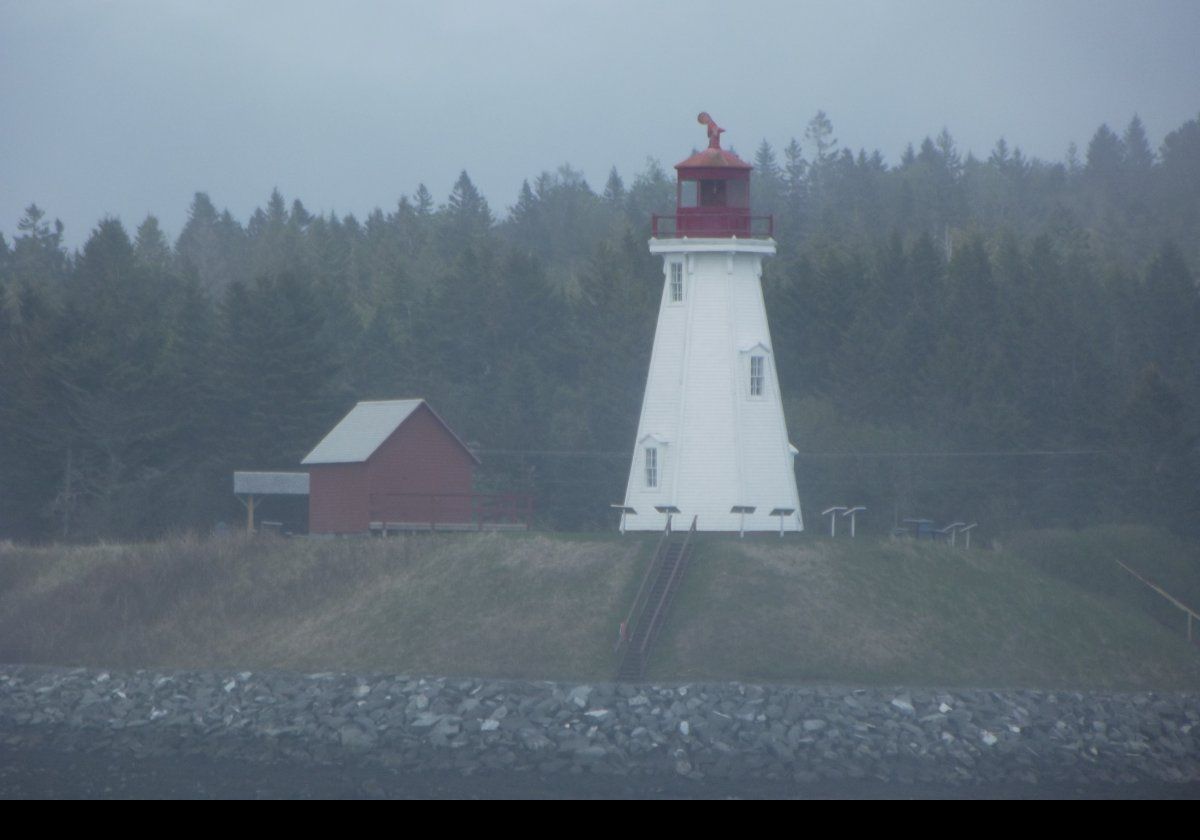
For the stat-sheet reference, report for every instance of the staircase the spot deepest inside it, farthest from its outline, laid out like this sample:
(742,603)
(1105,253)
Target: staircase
(653,601)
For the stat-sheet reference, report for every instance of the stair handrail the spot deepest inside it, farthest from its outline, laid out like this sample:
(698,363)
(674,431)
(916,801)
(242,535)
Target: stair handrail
(668,590)
(1192,615)
(636,608)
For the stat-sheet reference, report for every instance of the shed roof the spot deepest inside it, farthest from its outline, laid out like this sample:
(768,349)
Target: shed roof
(365,428)
(270,483)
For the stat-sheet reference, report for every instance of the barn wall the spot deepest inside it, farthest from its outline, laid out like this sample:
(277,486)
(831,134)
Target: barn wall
(338,499)
(421,460)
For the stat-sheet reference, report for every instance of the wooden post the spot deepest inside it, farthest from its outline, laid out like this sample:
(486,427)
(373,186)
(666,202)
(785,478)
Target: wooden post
(250,515)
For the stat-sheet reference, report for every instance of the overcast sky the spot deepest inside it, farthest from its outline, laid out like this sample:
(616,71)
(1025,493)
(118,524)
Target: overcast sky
(128,108)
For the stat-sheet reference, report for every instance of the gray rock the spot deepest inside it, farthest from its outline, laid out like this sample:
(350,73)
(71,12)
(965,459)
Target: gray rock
(579,695)
(447,726)
(532,739)
(354,738)
(592,752)
(976,737)
(426,720)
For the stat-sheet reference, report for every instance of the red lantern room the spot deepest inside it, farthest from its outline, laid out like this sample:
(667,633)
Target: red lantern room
(712,196)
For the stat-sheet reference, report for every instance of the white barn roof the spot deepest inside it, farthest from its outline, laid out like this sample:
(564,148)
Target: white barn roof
(364,430)
(361,432)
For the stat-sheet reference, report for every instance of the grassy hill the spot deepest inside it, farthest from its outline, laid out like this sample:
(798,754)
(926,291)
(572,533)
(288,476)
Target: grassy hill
(1039,612)
(916,613)
(503,605)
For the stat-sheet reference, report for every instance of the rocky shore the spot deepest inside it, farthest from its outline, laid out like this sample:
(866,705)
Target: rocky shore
(696,732)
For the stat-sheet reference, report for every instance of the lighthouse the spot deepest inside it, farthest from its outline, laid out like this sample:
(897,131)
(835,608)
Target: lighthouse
(711,440)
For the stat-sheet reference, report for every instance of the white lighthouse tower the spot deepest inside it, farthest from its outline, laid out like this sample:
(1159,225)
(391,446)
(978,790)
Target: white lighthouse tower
(711,441)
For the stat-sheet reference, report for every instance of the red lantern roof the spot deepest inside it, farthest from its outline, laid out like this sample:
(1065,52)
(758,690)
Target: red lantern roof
(713,159)
(712,194)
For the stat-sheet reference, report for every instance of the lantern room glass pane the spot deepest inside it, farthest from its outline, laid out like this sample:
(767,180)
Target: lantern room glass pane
(712,194)
(687,193)
(738,193)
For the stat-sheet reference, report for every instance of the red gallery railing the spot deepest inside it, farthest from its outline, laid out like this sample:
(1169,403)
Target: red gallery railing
(712,225)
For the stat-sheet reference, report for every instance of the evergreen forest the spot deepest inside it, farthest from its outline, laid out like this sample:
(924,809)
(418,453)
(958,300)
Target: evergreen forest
(1004,340)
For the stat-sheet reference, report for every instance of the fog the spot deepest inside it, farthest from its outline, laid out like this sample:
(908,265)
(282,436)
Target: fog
(129,108)
(993,333)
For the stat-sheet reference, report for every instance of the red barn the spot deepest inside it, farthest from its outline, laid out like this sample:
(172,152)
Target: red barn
(390,464)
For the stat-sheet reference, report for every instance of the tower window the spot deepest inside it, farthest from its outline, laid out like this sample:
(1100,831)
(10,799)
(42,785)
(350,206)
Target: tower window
(756,376)
(651,466)
(676,282)
(712,193)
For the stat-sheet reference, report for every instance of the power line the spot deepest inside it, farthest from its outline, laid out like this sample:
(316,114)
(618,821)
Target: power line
(560,453)
(996,453)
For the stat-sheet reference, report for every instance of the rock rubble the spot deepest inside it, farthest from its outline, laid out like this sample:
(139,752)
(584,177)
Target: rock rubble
(698,731)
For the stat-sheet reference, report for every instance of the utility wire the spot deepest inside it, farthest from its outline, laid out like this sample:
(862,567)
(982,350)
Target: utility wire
(998,453)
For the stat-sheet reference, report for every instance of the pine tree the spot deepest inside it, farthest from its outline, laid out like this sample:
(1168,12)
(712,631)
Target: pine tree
(210,246)
(37,255)
(151,249)
(524,217)
(424,200)
(1139,157)
(614,188)
(467,210)
(767,186)
(819,133)
(1105,154)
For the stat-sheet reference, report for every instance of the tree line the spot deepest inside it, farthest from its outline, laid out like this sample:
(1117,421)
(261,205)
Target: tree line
(1003,339)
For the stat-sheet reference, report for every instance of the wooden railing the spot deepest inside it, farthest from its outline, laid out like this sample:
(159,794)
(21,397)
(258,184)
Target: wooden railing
(625,632)
(653,601)
(1192,616)
(660,609)
(447,510)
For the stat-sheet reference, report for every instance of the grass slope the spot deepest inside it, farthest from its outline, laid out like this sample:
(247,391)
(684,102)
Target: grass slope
(486,605)
(1087,560)
(909,613)
(1042,612)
